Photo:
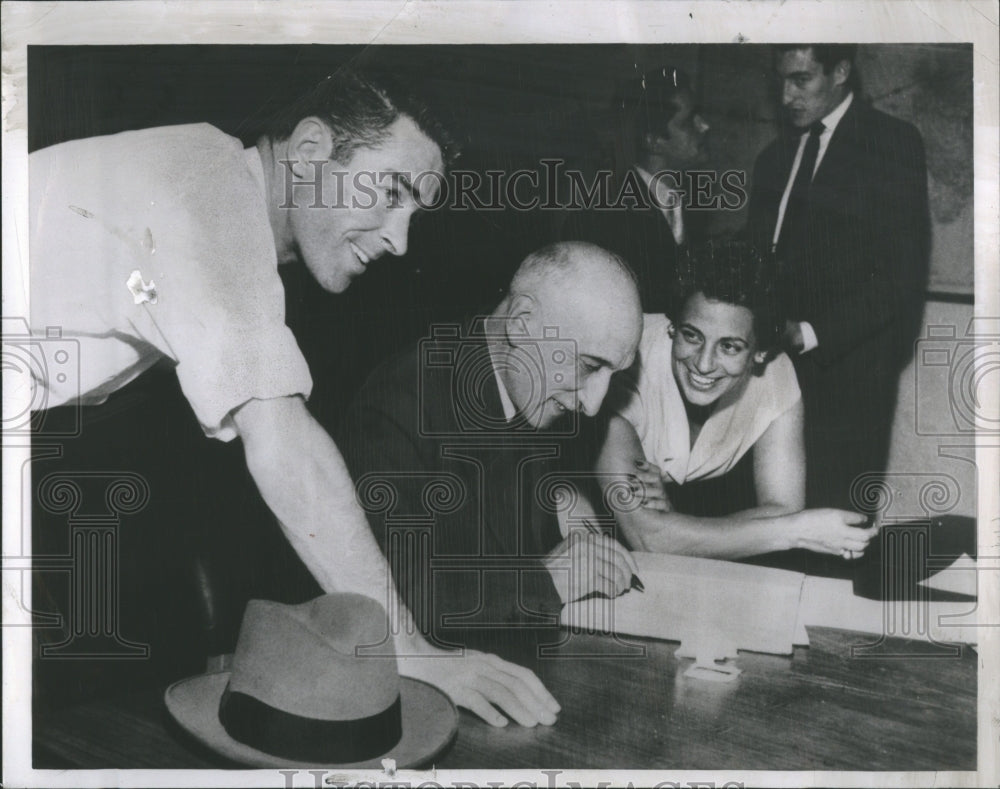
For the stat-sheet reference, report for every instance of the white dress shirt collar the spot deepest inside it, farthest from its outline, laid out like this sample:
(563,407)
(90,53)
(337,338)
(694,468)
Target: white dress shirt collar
(831,120)
(509,411)
(667,200)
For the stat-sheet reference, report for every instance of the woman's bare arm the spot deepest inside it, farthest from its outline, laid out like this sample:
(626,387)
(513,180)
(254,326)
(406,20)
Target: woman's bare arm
(777,524)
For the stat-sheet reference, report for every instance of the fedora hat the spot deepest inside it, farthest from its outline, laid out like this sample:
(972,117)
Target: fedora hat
(298,694)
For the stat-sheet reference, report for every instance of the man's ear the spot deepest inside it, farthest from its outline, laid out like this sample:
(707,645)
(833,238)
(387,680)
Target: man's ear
(653,141)
(841,72)
(310,141)
(522,319)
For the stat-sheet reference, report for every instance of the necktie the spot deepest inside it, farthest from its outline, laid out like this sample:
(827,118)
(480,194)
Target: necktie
(669,204)
(799,196)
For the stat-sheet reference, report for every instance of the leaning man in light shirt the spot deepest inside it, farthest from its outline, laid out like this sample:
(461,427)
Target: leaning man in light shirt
(165,244)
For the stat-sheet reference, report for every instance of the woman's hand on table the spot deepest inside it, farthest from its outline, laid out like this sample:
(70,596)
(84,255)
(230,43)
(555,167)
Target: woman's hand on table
(832,531)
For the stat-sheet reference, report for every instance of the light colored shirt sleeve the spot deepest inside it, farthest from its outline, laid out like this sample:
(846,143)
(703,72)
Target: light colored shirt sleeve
(221,309)
(178,212)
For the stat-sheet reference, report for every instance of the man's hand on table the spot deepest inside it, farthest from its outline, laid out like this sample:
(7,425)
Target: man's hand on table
(478,681)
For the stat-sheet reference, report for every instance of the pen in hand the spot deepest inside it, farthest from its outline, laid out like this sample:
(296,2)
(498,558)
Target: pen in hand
(635,582)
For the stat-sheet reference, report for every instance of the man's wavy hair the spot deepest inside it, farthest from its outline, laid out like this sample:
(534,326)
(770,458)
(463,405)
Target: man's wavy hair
(359,107)
(733,272)
(647,104)
(828,56)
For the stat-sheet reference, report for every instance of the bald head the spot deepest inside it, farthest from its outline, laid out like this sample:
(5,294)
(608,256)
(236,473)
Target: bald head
(572,264)
(583,299)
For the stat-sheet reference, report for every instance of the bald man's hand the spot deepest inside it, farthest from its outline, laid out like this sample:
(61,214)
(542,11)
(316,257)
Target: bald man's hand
(586,563)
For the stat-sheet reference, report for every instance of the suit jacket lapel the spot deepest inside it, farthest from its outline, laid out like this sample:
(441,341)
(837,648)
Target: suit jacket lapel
(538,528)
(842,148)
(541,527)
(788,145)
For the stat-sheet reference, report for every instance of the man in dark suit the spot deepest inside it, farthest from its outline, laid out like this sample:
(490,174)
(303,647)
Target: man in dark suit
(646,218)
(841,199)
(459,447)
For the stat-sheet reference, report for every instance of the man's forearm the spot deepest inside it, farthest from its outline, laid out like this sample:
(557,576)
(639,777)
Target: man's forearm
(304,481)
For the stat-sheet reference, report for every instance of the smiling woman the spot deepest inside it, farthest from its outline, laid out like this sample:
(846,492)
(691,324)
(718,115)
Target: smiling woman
(712,350)
(709,386)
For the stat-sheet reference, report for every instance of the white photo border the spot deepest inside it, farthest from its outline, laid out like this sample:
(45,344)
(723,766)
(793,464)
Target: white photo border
(561,22)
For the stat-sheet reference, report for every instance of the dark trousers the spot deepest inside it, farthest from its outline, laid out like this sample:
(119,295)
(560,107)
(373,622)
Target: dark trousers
(847,432)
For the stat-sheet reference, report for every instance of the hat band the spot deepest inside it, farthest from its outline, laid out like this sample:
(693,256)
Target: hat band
(295,737)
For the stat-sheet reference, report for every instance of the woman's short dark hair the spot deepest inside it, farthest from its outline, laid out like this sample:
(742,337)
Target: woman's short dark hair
(732,272)
(359,107)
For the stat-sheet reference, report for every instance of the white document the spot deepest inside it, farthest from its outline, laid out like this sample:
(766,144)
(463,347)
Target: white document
(961,577)
(715,608)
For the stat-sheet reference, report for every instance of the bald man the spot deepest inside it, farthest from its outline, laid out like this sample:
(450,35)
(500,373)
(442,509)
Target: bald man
(458,447)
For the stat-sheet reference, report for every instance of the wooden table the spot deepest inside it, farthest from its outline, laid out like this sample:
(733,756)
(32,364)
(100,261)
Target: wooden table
(819,709)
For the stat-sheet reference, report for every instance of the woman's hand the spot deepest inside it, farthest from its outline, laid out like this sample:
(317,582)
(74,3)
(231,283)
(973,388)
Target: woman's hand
(647,482)
(832,531)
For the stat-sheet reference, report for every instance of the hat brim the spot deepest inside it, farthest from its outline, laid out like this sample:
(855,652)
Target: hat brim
(430,722)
